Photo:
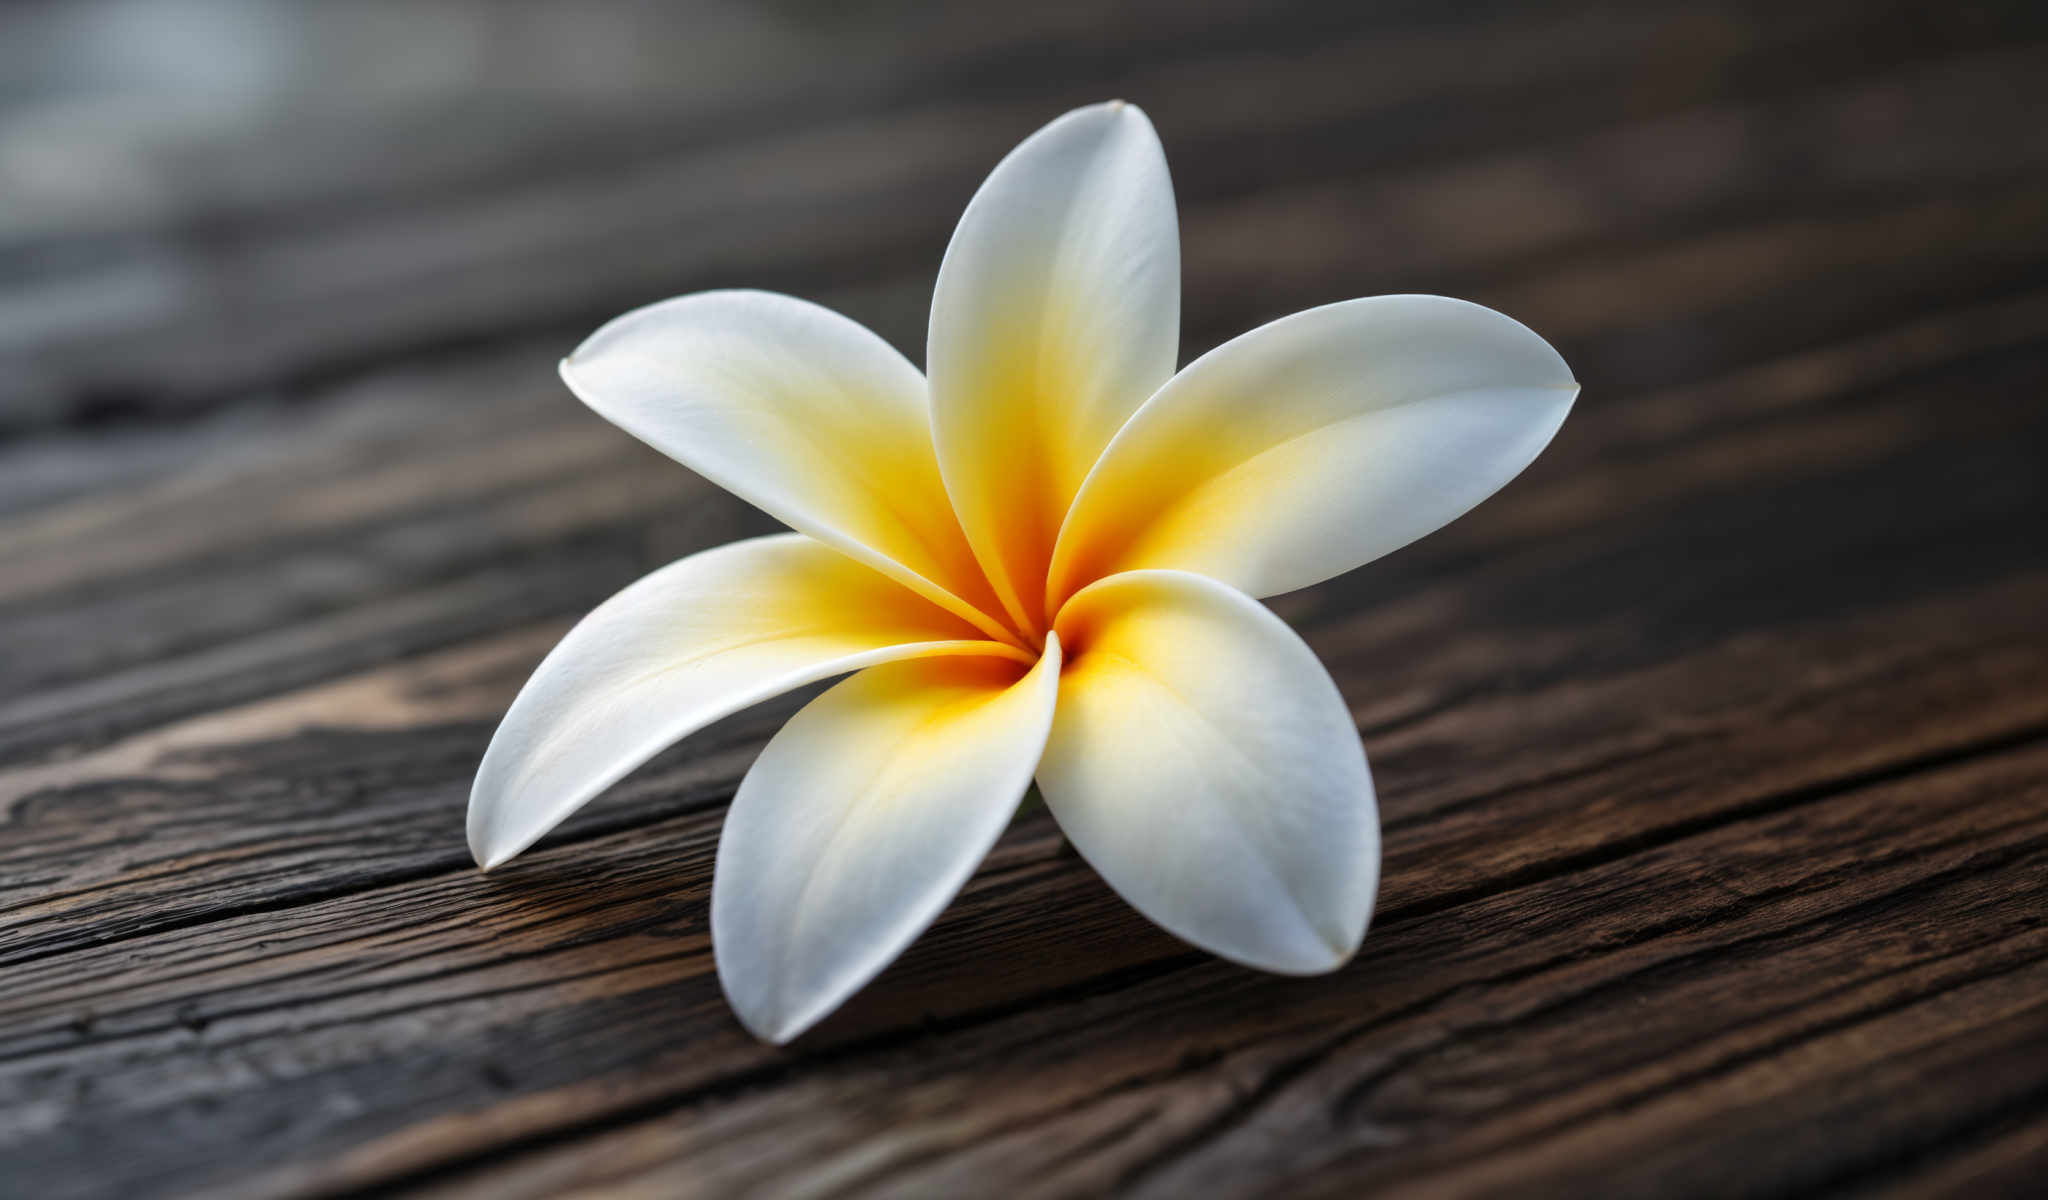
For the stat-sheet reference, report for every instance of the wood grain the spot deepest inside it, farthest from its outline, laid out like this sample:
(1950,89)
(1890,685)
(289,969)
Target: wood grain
(1712,754)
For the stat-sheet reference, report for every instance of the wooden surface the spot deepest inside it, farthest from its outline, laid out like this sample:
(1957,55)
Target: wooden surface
(1713,753)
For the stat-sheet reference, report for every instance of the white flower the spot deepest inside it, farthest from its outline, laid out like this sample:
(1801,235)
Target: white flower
(1040,559)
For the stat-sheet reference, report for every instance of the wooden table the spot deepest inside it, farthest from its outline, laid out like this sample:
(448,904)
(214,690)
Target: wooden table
(1712,753)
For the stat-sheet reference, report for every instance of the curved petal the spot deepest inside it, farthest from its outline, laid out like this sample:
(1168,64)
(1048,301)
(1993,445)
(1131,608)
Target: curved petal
(1316,443)
(1202,760)
(695,641)
(860,822)
(1057,312)
(798,411)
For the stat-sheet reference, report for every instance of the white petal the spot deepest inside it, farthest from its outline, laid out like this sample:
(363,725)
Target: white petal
(1057,312)
(1316,443)
(797,410)
(860,822)
(690,643)
(1202,760)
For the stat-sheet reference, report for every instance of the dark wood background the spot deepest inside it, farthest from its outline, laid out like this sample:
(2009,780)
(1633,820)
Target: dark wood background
(1712,753)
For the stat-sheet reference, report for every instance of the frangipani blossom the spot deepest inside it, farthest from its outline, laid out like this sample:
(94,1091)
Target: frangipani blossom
(1040,560)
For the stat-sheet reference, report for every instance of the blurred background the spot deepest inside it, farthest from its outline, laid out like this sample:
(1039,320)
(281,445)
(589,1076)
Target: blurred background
(291,500)
(204,199)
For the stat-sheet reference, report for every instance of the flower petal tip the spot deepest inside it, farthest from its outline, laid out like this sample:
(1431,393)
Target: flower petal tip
(1124,110)
(1321,956)
(1315,952)
(776,1022)
(486,862)
(780,1033)
(1340,956)
(487,855)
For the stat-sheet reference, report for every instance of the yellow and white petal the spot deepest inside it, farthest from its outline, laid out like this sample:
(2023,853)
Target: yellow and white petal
(799,411)
(1057,313)
(694,641)
(860,822)
(1202,760)
(1316,443)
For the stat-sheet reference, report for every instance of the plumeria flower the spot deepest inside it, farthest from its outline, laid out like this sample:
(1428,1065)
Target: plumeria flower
(1039,559)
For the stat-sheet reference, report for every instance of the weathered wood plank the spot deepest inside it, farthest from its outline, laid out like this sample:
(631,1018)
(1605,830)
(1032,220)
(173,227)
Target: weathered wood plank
(2007,1158)
(1473,1030)
(396,989)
